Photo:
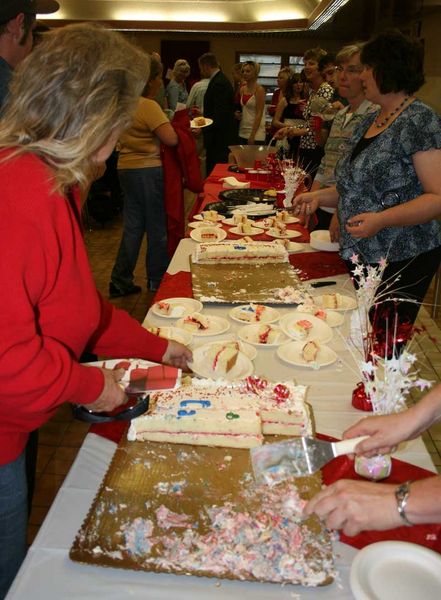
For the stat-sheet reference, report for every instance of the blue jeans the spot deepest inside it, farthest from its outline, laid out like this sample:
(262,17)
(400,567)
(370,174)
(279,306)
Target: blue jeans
(144,213)
(13,520)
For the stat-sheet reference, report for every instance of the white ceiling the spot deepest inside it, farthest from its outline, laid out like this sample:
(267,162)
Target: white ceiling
(204,15)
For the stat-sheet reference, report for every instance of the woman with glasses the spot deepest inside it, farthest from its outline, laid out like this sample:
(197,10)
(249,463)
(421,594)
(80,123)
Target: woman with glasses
(388,188)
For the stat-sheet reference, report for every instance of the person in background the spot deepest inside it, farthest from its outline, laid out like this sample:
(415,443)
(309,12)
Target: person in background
(142,180)
(310,152)
(283,76)
(219,106)
(70,99)
(289,112)
(160,94)
(195,105)
(350,88)
(388,183)
(252,100)
(17,22)
(176,90)
(355,506)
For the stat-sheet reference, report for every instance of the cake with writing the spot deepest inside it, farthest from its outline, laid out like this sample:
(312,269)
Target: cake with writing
(238,252)
(230,415)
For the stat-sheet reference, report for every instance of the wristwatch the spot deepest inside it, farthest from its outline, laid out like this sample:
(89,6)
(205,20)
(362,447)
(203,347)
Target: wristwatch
(402,496)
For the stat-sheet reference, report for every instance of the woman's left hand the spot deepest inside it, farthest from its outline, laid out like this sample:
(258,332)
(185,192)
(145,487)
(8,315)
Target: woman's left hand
(355,506)
(177,355)
(364,225)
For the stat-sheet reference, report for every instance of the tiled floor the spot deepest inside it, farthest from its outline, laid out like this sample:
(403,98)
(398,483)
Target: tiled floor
(61,437)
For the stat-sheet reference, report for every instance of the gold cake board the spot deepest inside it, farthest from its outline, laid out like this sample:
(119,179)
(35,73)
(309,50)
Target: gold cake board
(239,283)
(145,475)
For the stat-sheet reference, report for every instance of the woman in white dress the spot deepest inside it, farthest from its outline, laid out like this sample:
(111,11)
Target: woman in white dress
(252,101)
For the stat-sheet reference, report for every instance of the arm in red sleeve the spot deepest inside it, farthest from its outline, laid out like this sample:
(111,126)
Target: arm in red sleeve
(39,369)
(121,336)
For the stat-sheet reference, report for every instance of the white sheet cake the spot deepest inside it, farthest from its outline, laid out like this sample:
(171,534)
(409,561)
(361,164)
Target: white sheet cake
(222,414)
(239,252)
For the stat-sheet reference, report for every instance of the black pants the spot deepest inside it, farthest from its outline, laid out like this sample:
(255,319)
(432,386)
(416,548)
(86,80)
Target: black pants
(310,159)
(323,219)
(415,275)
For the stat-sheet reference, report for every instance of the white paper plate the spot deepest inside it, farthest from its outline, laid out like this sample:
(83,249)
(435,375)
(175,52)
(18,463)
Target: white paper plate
(194,125)
(289,233)
(292,354)
(229,221)
(253,231)
(173,333)
(320,331)
(290,219)
(216,326)
(321,240)
(220,234)
(200,217)
(200,365)
(345,302)
(196,224)
(269,315)
(248,333)
(333,319)
(181,307)
(396,571)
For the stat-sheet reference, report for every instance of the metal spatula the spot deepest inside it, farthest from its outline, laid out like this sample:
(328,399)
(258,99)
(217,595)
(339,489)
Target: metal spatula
(296,458)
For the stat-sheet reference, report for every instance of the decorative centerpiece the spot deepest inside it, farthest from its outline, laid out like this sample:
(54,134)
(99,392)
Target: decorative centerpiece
(387,367)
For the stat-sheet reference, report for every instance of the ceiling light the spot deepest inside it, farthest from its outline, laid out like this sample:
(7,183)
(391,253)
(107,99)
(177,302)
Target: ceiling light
(328,13)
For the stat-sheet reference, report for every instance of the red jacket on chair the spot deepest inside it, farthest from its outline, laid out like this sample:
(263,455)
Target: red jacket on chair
(181,171)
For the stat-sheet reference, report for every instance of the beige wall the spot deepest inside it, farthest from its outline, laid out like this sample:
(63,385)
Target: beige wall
(226,47)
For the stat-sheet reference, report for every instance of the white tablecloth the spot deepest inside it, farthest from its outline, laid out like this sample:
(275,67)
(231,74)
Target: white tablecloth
(48,573)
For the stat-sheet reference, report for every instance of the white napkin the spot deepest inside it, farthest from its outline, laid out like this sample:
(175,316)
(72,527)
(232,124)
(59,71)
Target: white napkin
(233,183)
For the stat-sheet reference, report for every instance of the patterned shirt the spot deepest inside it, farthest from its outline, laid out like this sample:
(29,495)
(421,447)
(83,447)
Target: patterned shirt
(307,141)
(382,176)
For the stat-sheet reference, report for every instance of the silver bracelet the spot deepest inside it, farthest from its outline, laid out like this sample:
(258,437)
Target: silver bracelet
(402,496)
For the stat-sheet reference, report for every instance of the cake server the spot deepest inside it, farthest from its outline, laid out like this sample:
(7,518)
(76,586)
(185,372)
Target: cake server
(297,457)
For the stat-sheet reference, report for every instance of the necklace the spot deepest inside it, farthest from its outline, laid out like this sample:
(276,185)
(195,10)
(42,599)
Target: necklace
(382,123)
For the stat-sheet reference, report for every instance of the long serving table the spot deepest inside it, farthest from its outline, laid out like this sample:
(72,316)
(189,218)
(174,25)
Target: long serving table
(48,573)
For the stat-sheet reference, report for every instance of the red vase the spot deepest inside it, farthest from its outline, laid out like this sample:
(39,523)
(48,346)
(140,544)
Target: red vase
(360,400)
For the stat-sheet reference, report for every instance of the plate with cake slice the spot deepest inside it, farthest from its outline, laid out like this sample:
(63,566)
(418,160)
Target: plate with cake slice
(330,317)
(254,313)
(282,233)
(262,335)
(197,224)
(211,216)
(199,122)
(335,301)
(246,229)
(208,234)
(304,326)
(175,308)
(170,333)
(311,354)
(198,324)
(221,360)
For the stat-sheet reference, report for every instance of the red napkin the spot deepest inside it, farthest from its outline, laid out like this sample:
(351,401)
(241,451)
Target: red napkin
(318,264)
(175,286)
(424,535)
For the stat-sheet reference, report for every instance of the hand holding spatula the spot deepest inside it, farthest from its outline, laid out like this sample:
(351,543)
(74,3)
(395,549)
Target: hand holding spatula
(273,463)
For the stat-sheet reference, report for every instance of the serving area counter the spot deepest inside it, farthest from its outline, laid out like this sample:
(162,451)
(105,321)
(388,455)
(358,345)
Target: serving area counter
(48,573)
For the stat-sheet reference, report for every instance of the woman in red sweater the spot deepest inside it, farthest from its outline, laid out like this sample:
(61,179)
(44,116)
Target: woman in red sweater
(69,102)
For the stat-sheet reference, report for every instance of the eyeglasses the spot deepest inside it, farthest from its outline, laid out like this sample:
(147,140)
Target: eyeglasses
(351,70)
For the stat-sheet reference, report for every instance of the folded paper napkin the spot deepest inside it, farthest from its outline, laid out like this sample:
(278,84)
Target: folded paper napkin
(233,183)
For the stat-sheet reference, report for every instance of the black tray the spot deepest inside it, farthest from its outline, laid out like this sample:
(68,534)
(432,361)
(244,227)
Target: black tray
(245,195)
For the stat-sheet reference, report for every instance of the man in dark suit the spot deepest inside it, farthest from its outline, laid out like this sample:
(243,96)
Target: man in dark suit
(219,106)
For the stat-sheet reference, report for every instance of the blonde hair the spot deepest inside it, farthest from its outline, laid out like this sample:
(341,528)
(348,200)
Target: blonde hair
(181,67)
(78,86)
(254,65)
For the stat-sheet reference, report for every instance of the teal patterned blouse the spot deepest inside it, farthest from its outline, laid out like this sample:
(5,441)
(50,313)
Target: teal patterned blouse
(381,176)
